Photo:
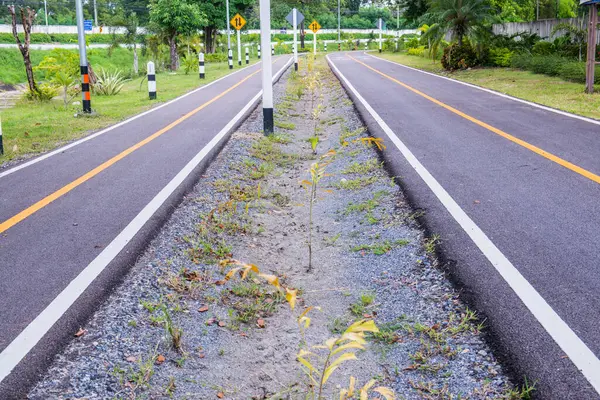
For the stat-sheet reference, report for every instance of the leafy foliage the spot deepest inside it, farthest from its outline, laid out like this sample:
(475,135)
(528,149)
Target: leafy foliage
(109,83)
(457,56)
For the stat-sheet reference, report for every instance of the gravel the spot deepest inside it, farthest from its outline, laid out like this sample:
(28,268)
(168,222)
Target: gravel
(433,347)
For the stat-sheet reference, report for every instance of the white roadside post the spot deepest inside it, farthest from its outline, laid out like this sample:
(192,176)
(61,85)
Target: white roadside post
(366,45)
(295,44)
(258,49)
(229,52)
(151,81)
(325,46)
(201,65)
(267,82)
(380,33)
(239,43)
(247,56)
(272,48)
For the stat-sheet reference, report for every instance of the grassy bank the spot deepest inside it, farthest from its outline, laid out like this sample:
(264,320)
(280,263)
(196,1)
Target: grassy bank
(32,127)
(549,91)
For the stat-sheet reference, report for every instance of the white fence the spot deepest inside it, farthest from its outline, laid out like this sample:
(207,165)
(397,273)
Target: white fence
(543,28)
(111,29)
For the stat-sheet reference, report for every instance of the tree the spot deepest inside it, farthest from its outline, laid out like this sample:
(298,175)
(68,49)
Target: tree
(27,21)
(216,14)
(577,34)
(175,17)
(131,36)
(460,17)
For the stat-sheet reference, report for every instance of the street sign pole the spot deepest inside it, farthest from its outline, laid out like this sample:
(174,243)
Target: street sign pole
(267,83)
(591,49)
(228,35)
(83,64)
(315,44)
(239,43)
(339,25)
(295,23)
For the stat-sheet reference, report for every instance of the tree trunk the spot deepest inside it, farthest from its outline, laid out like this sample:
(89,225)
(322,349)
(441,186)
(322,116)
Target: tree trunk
(173,47)
(209,39)
(27,21)
(136,68)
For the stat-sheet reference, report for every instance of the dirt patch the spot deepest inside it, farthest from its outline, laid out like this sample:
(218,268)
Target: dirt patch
(177,329)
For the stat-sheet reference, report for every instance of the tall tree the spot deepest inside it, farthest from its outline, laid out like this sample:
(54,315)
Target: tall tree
(176,17)
(27,18)
(460,17)
(216,14)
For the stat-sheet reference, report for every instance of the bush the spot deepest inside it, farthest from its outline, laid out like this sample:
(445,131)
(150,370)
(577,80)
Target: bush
(412,43)
(542,49)
(216,57)
(547,65)
(573,71)
(459,57)
(109,83)
(419,51)
(521,61)
(501,57)
(46,92)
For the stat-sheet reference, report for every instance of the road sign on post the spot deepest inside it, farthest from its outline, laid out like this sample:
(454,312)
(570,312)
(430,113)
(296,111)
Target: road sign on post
(88,25)
(314,27)
(238,23)
(267,72)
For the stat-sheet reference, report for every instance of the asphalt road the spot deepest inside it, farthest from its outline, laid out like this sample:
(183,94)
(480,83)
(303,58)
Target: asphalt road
(490,154)
(102,188)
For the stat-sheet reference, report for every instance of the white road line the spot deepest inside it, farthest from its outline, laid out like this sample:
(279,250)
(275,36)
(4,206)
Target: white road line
(110,128)
(506,96)
(583,358)
(12,355)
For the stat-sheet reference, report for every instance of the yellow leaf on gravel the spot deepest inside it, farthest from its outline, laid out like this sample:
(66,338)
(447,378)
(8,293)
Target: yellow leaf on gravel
(290,296)
(385,392)
(363,326)
(334,365)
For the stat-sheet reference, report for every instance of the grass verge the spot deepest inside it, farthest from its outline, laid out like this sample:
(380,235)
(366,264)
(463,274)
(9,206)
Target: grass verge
(549,91)
(31,128)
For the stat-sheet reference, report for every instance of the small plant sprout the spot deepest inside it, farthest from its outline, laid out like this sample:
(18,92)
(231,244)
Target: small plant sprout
(317,172)
(314,141)
(321,361)
(174,332)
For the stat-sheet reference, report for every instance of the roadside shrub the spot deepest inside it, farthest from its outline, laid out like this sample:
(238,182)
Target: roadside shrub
(501,57)
(542,48)
(216,57)
(412,43)
(574,72)
(46,92)
(547,65)
(459,57)
(418,51)
(521,61)
(109,83)
(190,63)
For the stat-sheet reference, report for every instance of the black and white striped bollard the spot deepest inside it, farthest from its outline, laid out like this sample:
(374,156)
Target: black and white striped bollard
(151,81)
(230,58)
(247,56)
(259,51)
(272,49)
(201,65)
(325,45)
(339,46)
(366,45)
(1,144)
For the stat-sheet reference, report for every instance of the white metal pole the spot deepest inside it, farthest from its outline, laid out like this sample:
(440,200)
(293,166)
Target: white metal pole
(267,83)
(229,52)
(397,27)
(295,45)
(380,33)
(314,44)
(339,23)
(46,13)
(239,42)
(95,14)
(83,64)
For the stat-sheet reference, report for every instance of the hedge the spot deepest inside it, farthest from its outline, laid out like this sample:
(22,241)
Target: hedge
(39,38)
(553,65)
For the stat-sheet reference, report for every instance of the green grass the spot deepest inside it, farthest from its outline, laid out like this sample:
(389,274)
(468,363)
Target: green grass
(381,248)
(549,91)
(39,127)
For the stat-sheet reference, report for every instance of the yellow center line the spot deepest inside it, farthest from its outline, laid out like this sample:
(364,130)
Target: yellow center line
(535,149)
(4,226)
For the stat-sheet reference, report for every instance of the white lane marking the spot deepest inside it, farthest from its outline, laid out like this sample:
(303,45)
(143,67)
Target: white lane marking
(583,358)
(110,128)
(506,96)
(12,355)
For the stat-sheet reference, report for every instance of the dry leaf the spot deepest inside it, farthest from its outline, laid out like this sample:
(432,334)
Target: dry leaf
(203,309)
(221,323)
(80,332)
(220,395)
(220,283)
(260,323)
(160,359)
(210,321)
(201,355)
(131,359)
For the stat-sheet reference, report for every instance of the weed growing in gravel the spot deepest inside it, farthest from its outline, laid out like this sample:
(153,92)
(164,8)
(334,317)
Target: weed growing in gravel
(290,126)
(431,243)
(362,168)
(356,184)
(317,172)
(381,248)
(367,205)
(174,332)
(361,307)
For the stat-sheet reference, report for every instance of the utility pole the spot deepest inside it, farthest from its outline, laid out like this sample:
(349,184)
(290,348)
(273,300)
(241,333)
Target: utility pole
(267,73)
(591,49)
(537,10)
(83,64)
(46,13)
(95,14)
(229,52)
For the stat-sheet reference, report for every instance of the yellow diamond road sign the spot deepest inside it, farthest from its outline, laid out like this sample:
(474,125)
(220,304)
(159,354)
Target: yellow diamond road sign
(314,26)
(238,21)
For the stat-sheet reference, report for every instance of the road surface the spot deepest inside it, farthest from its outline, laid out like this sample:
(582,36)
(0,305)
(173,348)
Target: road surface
(72,221)
(513,190)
